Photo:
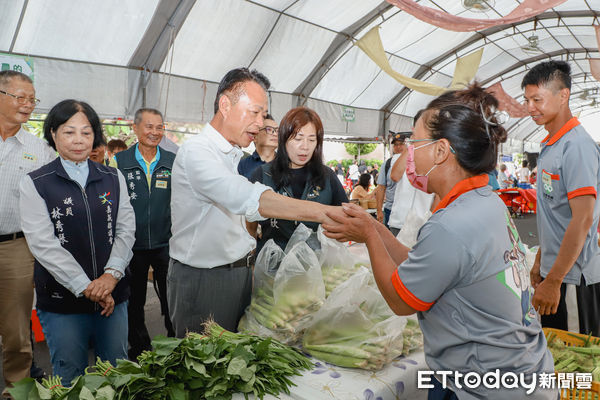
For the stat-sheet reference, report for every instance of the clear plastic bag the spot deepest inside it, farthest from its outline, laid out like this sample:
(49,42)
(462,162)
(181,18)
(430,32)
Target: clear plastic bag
(288,289)
(337,262)
(265,269)
(410,230)
(355,327)
(303,234)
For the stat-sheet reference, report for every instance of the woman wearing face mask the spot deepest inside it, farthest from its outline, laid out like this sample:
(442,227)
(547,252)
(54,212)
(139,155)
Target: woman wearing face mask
(466,276)
(297,171)
(80,228)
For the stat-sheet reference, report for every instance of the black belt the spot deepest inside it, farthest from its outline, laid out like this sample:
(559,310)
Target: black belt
(11,236)
(246,261)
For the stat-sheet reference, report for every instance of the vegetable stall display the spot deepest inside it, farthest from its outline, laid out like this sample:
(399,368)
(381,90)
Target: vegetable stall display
(211,366)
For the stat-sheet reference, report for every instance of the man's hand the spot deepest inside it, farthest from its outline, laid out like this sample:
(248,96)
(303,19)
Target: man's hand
(100,288)
(354,224)
(546,297)
(534,274)
(108,305)
(380,216)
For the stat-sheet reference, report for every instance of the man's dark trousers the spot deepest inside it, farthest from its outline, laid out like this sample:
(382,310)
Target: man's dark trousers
(139,340)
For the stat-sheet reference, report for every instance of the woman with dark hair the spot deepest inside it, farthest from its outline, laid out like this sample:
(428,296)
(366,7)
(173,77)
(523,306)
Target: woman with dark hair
(466,276)
(298,172)
(80,228)
(361,191)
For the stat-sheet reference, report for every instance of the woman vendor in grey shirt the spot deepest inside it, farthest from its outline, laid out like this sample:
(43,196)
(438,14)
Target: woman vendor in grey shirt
(466,277)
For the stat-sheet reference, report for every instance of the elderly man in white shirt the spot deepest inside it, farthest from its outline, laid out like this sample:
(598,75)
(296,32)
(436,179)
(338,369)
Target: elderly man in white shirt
(210,273)
(20,153)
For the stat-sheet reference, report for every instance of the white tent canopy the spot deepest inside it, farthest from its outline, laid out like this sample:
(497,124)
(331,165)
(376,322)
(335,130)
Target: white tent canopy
(120,55)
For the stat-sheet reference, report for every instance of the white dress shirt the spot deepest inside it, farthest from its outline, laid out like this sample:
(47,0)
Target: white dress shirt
(19,155)
(209,201)
(45,246)
(407,198)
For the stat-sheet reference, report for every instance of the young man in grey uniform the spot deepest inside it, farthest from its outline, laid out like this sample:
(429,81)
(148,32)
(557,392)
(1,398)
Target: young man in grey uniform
(567,206)
(386,187)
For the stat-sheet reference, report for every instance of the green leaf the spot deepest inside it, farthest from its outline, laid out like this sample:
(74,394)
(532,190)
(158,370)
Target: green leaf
(22,388)
(236,365)
(86,394)
(263,348)
(177,392)
(164,346)
(244,353)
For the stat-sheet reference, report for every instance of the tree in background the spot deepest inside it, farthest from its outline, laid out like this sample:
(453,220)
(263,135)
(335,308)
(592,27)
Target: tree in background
(359,149)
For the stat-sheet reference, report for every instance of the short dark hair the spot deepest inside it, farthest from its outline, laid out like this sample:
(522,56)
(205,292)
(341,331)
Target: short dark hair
(269,116)
(114,144)
(547,72)
(460,117)
(63,111)
(525,163)
(291,123)
(8,75)
(364,180)
(233,80)
(137,118)
(102,143)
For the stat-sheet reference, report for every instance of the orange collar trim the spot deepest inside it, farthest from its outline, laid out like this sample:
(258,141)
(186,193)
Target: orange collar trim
(461,188)
(572,123)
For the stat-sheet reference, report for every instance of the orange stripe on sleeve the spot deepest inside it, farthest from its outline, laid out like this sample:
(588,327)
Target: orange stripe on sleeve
(407,296)
(582,192)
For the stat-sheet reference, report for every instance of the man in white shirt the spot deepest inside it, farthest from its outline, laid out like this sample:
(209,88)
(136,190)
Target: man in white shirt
(20,153)
(503,178)
(523,175)
(407,199)
(210,273)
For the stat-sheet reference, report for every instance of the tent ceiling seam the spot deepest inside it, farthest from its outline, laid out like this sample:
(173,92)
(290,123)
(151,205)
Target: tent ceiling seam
(266,40)
(332,55)
(18,27)
(398,98)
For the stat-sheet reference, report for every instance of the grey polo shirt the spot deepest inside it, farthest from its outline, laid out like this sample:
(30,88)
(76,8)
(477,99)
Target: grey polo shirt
(568,166)
(468,279)
(386,180)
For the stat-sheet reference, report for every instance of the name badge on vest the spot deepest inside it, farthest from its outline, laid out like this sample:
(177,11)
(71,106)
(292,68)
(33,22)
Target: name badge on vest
(30,157)
(547,182)
(161,184)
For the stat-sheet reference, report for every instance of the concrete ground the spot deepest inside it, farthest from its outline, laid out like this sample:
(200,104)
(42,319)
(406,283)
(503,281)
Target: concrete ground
(526,226)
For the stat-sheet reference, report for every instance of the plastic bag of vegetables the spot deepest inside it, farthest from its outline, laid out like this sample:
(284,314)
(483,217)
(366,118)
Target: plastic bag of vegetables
(303,234)
(284,300)
(257,316)
(355,327)
(337,263)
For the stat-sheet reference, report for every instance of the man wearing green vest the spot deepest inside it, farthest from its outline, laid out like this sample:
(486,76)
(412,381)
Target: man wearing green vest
(147,170)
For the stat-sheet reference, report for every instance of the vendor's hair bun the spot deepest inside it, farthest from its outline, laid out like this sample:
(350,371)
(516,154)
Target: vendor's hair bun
(468,120)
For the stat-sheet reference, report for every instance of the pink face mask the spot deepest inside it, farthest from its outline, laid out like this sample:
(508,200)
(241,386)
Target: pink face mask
(418,181)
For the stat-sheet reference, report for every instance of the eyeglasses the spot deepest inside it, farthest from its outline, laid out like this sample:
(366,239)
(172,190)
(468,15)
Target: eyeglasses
(413,141)
(270,130)
(22,100)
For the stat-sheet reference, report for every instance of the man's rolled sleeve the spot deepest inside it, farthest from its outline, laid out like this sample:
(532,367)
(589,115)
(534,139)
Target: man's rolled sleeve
(579,169)
(434,265)
(212,179)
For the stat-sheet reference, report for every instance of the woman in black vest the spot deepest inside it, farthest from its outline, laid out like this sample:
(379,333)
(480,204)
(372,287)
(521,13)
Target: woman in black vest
(297,171)
(80,227)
